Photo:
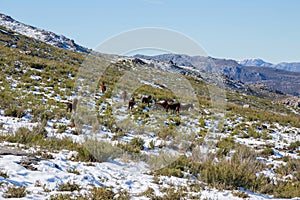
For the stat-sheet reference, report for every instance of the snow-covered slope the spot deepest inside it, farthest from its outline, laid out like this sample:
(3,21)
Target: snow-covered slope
(42,35)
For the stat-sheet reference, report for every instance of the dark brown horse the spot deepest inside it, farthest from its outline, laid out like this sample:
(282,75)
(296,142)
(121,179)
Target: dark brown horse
(102,87)
(131,103)
(69,107)
(174,107)
(146,99)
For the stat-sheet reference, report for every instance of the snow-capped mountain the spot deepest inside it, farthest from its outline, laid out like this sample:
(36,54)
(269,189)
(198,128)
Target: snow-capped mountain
(39,34)
(254,62)
(295,66)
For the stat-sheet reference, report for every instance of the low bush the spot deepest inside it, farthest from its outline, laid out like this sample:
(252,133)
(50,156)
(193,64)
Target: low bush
(137,143)
(294,145)
(3,174)
(225,145)
(14,111)
(176,168)
(101,150)
(267,152)
(166,132)
(73,171)
(30,138)
(61,128)
(172,194)
(15,192)
(101,193)
(239,171)
(68,187)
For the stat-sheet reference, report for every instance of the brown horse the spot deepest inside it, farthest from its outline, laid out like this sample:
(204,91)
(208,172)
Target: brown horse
(146,99)
(175,107)
(124,95)
(131,103)
(102,87)
(74,104)
(160,105)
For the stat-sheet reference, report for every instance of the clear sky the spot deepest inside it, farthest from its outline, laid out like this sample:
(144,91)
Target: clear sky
(267,29)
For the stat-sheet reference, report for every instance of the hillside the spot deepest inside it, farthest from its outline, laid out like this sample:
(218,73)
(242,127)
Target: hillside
(236,141)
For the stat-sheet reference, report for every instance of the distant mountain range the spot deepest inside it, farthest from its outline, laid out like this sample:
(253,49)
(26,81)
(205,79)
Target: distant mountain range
(277,79)
(42,35)
(294,66)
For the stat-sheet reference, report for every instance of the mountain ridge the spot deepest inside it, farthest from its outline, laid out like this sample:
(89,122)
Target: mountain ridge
(284,81)
(48,37)
(257,62)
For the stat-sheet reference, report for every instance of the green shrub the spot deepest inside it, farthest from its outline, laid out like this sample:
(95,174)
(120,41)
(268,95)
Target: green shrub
(137,143)
(37,66)
(68,187)
(285,189)
(63,197)
(101,193)
(166,132)
(240,194)
(152,145)
(30,138)
(292,166)
(129,148)
(253,133)
(268,151)
(225,145)
(61,128)
(171,172)
(40,130)
(176,168)
(294,145)
(3,174)
(239,171)
(101,150)
(148,193)
(14,111)
(73,171)
(15,192)
(202,122)
(172,194)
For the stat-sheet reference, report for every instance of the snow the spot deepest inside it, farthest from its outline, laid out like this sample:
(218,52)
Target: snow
(117,174)
(39,34)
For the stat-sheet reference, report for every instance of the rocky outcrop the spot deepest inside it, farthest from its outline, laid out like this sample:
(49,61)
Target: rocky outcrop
(292,101)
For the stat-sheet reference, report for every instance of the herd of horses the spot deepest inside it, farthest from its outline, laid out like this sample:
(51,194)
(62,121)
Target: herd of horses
(166,105)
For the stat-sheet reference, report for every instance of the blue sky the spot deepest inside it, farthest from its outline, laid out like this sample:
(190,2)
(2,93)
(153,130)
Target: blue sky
(267,29)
